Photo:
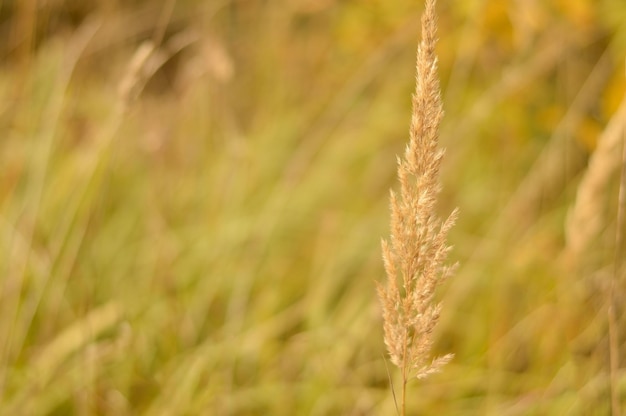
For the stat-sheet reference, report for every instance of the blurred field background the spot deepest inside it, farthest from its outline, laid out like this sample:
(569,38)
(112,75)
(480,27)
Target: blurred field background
(192,196)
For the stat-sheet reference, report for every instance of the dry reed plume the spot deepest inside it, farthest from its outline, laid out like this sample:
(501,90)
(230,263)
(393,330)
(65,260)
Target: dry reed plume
(418,248)
(585,217)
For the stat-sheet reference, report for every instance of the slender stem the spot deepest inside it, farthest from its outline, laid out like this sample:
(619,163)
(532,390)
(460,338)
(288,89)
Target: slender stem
(613,301)
(614,358)
(404,372)
(404,383)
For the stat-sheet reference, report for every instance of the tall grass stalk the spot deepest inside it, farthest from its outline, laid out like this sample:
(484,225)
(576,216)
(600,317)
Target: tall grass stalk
(614,298)
(417,248)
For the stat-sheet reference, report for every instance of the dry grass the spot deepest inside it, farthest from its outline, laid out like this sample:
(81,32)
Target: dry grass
(418,246)
(192,226)
(586,217)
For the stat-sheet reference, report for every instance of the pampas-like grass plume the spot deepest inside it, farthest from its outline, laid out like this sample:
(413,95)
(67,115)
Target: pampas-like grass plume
(418,249)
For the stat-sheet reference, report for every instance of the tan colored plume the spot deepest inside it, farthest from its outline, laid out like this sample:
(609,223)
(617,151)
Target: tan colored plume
(416,253)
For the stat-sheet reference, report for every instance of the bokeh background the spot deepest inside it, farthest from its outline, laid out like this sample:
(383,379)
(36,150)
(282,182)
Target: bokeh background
(192,196)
